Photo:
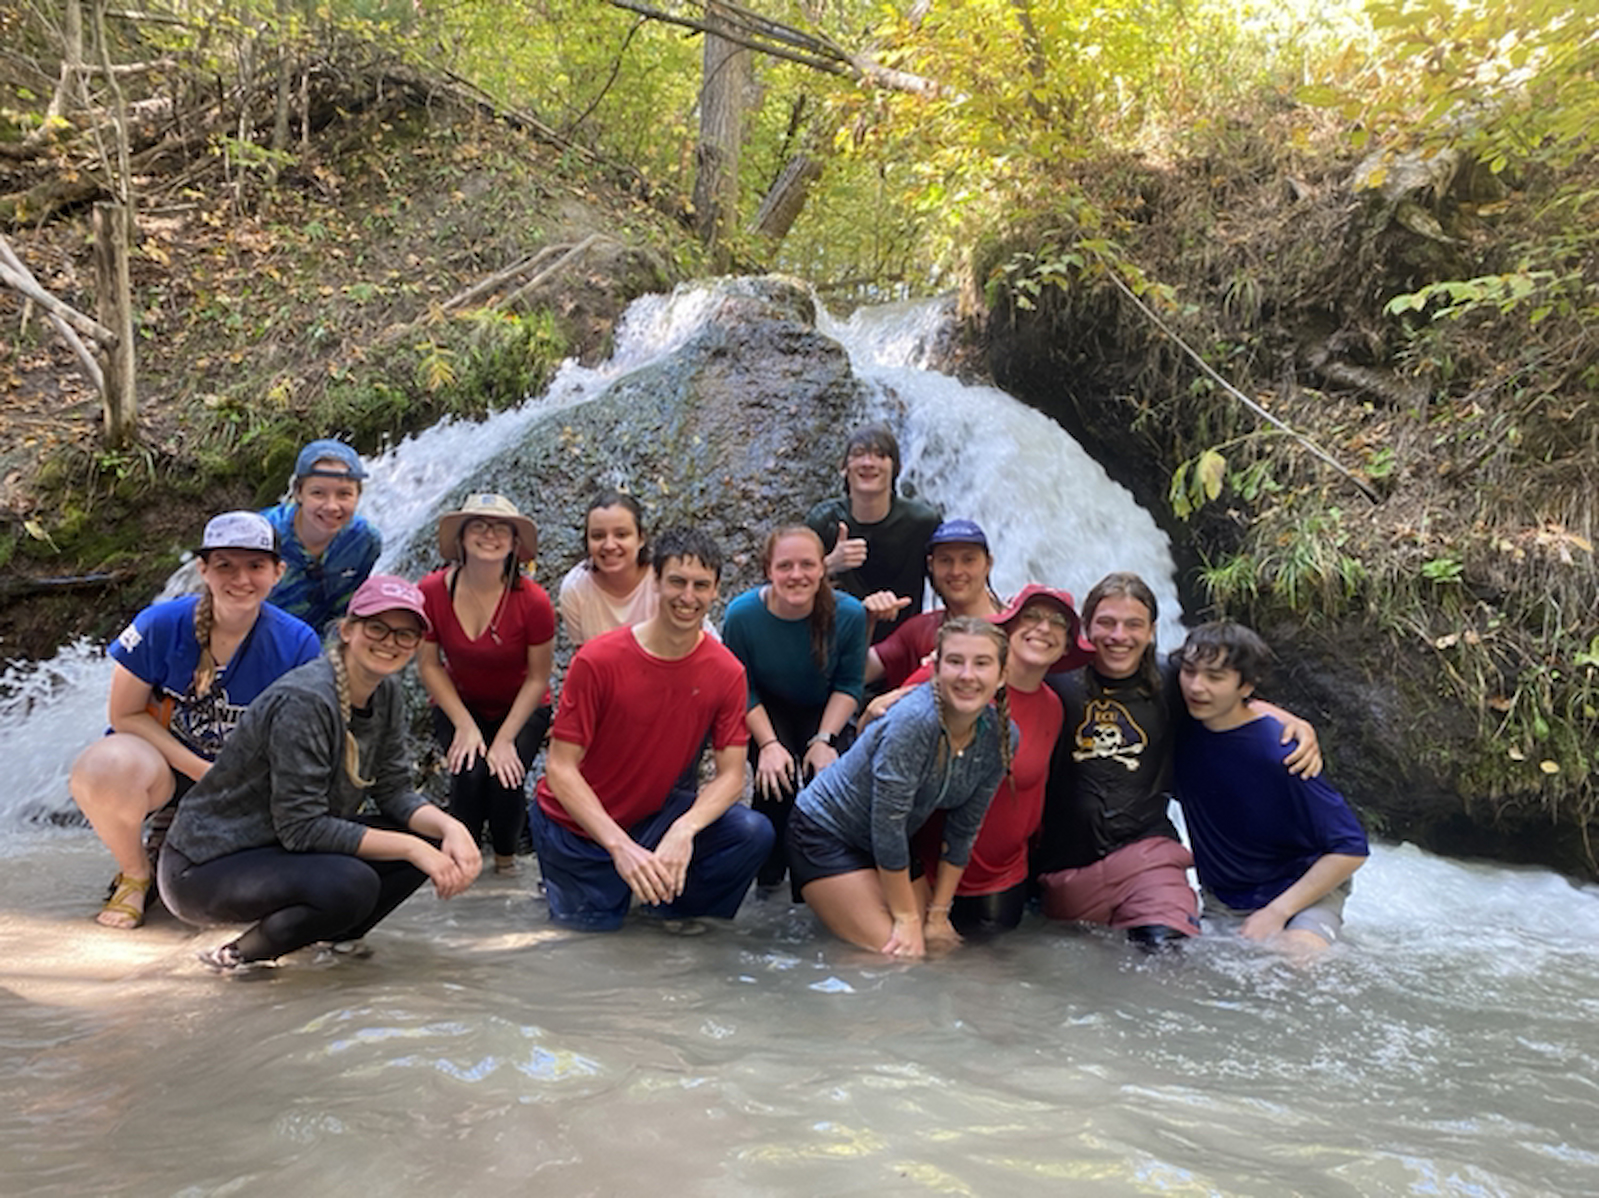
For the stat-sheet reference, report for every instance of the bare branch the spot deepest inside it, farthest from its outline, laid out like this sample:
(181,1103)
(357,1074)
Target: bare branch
(86,325)
(9,259)
(1310,446)
(777,40)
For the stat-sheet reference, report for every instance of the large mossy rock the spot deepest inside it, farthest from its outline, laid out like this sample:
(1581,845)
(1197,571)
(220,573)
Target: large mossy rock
(737,431)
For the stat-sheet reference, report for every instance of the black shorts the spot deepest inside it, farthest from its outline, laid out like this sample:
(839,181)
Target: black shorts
(815,853)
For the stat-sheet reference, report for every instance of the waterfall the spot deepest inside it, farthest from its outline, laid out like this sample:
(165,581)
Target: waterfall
(1050,511)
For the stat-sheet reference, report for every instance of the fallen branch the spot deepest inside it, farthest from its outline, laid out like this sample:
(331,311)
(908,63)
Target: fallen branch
(499,278)
(25,284)
(1393,391)
(567,253)
(1310,446)
(571,255)
(17,588)
(91,367)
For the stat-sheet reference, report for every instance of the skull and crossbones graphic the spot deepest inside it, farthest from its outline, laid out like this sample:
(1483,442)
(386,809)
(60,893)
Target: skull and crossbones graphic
(1104,733)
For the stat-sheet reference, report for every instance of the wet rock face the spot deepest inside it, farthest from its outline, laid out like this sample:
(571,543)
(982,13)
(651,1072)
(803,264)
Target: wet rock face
(738,431)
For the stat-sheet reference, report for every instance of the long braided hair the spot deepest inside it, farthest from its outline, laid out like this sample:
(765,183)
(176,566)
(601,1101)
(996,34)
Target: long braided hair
(341,686)
(977,626)
(205,670)
(820,621)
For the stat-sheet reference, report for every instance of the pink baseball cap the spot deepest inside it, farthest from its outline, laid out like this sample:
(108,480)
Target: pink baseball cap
(388,592)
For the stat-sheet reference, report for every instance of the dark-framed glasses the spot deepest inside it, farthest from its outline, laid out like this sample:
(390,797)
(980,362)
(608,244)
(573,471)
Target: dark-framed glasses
(405,638)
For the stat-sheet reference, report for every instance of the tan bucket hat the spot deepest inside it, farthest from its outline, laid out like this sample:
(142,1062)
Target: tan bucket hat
(488,506)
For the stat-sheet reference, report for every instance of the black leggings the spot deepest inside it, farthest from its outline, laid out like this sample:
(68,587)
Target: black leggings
(980,915)
(476,796)
(294,899)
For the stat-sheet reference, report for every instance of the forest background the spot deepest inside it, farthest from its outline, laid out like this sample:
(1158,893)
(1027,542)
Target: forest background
(1318,283)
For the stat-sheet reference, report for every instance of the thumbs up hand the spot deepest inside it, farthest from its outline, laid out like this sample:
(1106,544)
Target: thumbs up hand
(847,553)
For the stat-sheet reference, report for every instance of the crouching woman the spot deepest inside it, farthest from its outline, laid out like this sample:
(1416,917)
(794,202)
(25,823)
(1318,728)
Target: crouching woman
(271,837)
(943,747)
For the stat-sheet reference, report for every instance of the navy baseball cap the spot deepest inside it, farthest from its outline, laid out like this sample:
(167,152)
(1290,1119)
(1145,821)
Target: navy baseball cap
(961,532)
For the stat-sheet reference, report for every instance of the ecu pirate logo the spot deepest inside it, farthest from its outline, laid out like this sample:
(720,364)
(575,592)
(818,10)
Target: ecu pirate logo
(1108,731)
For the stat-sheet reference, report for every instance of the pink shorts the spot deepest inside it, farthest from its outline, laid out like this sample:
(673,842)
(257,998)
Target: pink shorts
(1142,883)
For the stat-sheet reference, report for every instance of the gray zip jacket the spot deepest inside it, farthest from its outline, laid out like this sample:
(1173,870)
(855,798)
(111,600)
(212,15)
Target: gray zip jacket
(883,789)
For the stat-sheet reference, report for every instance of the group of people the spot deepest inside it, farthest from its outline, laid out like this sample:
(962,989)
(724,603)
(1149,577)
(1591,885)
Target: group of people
(917,776)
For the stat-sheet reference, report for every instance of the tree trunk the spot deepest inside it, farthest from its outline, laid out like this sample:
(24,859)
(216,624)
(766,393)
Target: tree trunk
(71,61)
(722,89)
(114,298)
(285,84)
(784,202)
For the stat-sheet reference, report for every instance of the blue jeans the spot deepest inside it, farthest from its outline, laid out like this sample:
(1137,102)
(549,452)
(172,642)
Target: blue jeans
(586,892)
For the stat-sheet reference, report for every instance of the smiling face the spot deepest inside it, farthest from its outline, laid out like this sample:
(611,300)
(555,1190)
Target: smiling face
(1120,630)
(960,574)
(686,590)
(239,579)
(487,539)
(1039,634)
(868,470)
(326,504)
(794,568)
(613,538)
(968,672)
(381,644)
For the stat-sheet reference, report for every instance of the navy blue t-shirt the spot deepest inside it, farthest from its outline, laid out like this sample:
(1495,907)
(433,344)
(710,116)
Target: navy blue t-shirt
(1255,828)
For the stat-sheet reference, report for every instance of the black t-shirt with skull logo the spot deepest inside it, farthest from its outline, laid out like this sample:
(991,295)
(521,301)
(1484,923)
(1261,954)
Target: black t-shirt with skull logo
(1108,776)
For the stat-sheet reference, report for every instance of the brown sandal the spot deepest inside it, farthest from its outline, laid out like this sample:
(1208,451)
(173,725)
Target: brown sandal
(119,903)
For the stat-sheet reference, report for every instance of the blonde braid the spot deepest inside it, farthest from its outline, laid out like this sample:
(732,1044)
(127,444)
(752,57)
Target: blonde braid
(1002,705)
(341,685)
(205,670)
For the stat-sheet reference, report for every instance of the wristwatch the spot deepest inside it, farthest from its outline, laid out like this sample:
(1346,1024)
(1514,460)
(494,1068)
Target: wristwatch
(824,738)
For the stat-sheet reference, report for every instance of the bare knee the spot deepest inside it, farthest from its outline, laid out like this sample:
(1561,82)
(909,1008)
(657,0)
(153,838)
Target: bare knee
(120,772)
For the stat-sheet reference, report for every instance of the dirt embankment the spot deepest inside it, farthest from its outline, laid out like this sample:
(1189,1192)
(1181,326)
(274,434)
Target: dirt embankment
(418,259)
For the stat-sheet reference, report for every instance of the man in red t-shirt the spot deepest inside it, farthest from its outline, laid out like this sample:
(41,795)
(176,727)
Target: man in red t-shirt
(620,814)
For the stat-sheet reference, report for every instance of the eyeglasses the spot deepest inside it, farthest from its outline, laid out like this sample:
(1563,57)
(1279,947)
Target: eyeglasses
(478,526)
(405,638)
(1044,615)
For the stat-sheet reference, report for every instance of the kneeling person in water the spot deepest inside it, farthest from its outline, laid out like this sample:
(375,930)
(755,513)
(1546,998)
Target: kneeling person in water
(271,835)
(943,747)
(620,814)
(1271,848)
